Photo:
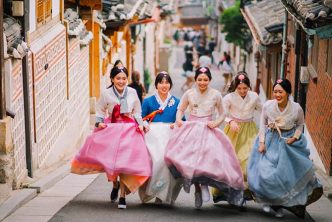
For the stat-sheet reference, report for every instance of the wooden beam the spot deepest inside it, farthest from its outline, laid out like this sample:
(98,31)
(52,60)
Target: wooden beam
(2,73)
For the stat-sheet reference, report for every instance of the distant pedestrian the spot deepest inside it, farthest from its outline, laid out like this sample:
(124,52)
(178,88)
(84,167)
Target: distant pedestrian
(226,70)
(137,85)
(280,173)
(211,46)
(205,60)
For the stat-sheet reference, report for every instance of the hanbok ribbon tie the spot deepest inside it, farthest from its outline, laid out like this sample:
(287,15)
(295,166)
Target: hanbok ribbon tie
(152,115)
(279,122)
(122,99)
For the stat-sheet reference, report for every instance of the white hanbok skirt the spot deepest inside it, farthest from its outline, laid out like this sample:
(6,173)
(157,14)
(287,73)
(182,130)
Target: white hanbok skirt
(161,184)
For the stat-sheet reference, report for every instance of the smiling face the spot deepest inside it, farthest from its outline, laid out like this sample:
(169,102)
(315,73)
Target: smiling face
(280,94)
(242,89)
(202,81)
(120,81)
(163,87)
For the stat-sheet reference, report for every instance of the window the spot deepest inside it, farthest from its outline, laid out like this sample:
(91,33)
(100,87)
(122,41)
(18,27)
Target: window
(329,58)
(43,11)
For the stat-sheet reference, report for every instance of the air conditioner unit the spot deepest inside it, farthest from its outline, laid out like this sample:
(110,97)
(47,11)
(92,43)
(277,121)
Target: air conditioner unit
(304,75)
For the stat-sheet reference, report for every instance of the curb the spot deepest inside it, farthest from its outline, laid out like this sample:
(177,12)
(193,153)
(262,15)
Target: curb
(15,201)
(50,179)
(22,196)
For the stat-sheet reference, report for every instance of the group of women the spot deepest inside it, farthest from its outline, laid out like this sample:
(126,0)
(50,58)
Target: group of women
(165,151)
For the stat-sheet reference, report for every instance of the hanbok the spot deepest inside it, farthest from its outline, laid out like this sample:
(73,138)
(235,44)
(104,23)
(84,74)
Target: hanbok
(203,155)
(284,175)
(161,184)
(242,111)
(118,150)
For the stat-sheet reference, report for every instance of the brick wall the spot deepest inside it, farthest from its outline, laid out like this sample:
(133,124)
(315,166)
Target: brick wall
(319,108)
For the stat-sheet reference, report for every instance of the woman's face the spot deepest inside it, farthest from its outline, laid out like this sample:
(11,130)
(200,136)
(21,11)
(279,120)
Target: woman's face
(242,89)
(163,87)
(120,81)
(202,82)
(280,94)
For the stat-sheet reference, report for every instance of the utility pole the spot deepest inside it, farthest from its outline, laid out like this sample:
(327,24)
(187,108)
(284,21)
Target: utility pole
(2,73)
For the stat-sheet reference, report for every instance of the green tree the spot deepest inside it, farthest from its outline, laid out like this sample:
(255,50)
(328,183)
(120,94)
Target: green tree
(234,26)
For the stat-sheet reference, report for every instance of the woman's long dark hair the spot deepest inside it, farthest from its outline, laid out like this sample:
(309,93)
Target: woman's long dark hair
(285,84)
(241,77)
(203,70)
(163,75)
(115,71)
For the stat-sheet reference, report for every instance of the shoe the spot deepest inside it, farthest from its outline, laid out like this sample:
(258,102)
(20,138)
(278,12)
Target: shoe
(186,185)
(122,203)
(115,193)
(205,193)
(279,213)
(266,208)
(298,210)
(198,199)
(158,201)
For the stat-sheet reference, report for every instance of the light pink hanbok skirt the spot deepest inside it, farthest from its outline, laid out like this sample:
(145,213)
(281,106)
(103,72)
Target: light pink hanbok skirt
(205,156)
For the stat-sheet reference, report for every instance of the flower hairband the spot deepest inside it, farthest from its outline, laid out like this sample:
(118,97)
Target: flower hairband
(279,81)
(241,77)
(164,72)
(121,67)
(203,69)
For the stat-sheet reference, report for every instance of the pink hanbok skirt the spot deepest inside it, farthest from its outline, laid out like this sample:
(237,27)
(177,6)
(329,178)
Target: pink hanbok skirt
(117,150)
(205,156)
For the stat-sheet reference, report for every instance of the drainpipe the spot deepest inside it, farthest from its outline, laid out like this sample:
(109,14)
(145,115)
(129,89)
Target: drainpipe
(297,63)
(284,46)
(2,73)
(25,73)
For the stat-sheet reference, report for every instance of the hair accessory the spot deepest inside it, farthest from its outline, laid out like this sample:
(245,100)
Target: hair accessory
(279,81)
(203,69)
(241,77)
(164,72)
(121,68)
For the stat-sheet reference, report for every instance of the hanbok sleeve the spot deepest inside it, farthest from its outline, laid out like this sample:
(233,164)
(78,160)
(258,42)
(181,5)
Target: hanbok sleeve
(227,105)
(262,125)
(137,110)
(258,106)
(145,108)
(299,124)
(101,108)
(184,102)
(220,110)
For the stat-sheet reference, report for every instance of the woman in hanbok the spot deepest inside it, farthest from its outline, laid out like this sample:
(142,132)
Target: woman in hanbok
(240,106)
(198,151)
(280,173)
(117,145)
(160,110)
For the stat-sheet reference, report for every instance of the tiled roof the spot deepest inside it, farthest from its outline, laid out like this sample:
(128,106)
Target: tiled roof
(14,46)
(311,13)
(265,18)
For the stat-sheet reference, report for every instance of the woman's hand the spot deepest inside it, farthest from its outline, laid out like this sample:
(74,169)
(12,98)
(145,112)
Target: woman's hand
(291,140)
(261,148)
(179,123)
(101,125)
(146,128)
(172,126)
(212,124)
(234,126)
(141,128)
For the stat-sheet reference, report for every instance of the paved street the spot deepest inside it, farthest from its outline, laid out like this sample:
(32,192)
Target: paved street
(93,204)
